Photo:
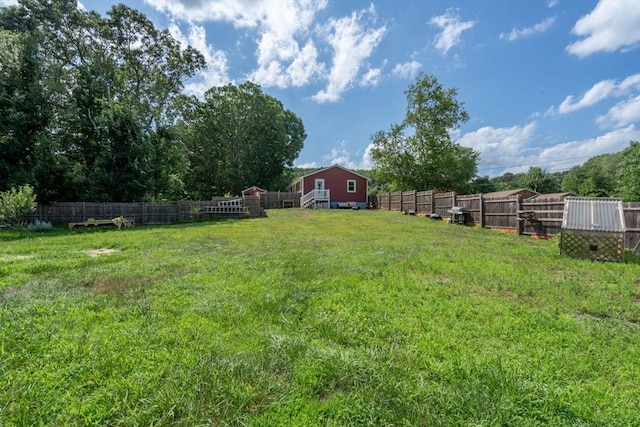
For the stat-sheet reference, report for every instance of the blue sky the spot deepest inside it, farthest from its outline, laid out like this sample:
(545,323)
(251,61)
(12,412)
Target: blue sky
(546,83)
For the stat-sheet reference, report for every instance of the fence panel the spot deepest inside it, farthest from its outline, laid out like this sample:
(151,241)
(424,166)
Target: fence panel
(409,201)
(501,213)
(632,220)
(442,202)
(424,202)
(542,217)
(279,199)
(383,201)
(395,201)
(472,203)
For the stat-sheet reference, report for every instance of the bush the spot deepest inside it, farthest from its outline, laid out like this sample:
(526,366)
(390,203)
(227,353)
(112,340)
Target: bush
(16,204)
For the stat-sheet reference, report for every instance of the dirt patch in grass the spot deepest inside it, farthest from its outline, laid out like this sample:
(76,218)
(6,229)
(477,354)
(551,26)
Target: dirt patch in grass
(100,252)
(122,286)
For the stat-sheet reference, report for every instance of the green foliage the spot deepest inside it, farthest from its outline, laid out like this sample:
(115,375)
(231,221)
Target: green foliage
(629,173)
(539,180)
(296,319)
(77,75)
(238,137)
(418,153)
(595,178)
(16,204)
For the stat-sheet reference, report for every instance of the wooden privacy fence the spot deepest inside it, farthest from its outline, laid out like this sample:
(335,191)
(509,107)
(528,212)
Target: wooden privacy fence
(142,213)
(534,217)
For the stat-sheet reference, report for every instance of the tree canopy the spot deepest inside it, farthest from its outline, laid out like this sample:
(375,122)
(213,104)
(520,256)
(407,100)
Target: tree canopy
(239,136)
(91,109)
(629,173)
(418,153)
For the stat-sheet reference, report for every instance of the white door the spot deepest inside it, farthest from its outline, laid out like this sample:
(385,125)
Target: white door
(319,183)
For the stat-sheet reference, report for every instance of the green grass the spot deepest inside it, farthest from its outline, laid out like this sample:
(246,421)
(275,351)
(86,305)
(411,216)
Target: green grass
(325,318)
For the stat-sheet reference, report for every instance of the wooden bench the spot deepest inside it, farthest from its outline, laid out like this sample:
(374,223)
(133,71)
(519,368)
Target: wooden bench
(118,222)
(288,203)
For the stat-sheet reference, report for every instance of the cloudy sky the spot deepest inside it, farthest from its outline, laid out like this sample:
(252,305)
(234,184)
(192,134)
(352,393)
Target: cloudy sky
(546,83)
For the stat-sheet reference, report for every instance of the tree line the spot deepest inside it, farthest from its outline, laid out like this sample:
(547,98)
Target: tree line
(92,109)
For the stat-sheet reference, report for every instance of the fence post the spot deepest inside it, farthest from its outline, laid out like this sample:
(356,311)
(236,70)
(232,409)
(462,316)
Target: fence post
(481,210)
(519,207)
(415,202)
(453,198)
(431,202)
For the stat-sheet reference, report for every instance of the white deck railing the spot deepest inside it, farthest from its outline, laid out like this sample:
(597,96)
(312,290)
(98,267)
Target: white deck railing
(315,196)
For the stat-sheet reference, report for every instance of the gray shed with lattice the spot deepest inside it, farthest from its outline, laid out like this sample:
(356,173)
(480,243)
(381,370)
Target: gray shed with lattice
(593,229)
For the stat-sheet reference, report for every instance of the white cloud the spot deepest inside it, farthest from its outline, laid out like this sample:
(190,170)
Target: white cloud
(371,77)
(600,91)
(513,149)
(540,27)
(611,26)
(282,27)
(452,29)
(216,71)
(572,153)
(4,3)
(341,155)
(241,13)
(499,146)
(552,3)
(622,114)
(408,70)
(353,40)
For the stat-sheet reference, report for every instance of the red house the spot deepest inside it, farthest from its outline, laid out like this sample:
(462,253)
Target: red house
(332,187)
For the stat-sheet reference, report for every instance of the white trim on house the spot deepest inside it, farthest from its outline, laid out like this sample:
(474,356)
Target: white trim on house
(349,187)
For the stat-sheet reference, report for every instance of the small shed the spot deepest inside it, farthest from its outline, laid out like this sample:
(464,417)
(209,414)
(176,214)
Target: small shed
(593,228)
(524,193)
(253,191)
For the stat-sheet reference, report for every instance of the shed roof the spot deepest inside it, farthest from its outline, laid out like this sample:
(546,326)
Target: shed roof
(593,214)
(254,188)
(551,196)
(508,193)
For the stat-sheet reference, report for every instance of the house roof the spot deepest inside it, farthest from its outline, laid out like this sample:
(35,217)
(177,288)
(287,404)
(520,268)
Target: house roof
(327,168)
(591,214)
(507,193)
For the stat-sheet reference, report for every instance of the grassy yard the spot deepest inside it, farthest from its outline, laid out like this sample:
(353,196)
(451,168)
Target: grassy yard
(314,318)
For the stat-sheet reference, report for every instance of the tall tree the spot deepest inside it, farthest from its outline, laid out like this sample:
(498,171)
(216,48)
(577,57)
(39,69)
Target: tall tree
(418,153)
(239,136)
(24,114)
(629,173)
(537,179)
(93,67)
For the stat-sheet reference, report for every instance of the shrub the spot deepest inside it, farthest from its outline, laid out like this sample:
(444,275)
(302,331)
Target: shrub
(16,204)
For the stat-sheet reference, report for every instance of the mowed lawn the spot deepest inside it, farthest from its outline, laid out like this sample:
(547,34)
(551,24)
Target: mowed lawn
(314,318)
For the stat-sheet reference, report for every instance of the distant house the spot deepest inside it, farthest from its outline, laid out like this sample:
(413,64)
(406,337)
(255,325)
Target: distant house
(253,191)
(332,187)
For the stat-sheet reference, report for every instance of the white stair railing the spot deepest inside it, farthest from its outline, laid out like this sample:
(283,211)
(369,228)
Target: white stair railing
(315,196)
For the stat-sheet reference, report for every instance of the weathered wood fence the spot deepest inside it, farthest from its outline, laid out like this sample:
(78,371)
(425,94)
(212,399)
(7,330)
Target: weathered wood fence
(534,217)
(157,213)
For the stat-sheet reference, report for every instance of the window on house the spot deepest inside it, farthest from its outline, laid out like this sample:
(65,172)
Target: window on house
(351,186)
